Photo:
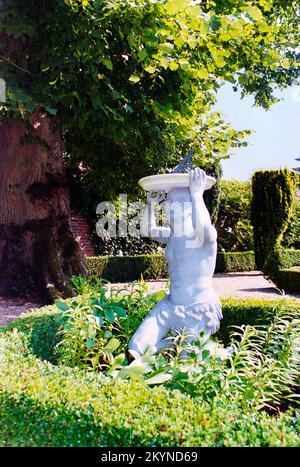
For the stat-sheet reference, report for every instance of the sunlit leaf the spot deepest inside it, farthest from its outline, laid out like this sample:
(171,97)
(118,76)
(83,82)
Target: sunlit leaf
(134,79)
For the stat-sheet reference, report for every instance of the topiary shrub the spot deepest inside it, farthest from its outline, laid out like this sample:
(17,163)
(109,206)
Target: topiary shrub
(273,195)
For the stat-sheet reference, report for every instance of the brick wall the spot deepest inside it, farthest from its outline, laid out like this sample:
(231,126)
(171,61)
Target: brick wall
(81,231)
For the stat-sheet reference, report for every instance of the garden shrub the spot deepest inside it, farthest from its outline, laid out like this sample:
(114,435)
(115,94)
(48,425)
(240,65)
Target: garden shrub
(42,404)
(46,405)
(273,195)
(289,279)
(291,238)
(288,258)
(235,262)
(235,232)
(277,265)
(128,268)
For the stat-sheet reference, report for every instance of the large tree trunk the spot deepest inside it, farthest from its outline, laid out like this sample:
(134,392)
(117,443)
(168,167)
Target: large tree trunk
(38,252)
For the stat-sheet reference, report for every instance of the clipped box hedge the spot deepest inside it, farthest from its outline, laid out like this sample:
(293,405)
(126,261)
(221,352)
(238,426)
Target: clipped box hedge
(43,404)
(288,258)
(235,262)
(289,279)
(152,267)
(283,267)
(129,268)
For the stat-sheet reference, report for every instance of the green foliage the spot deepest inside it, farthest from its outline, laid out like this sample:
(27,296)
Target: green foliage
(263,369)
(273,195)
(289,279)
(235,262)
(235,232)
(291,237)
(212,196)
(127,268)
(213,403)
(133,84)
(95,325)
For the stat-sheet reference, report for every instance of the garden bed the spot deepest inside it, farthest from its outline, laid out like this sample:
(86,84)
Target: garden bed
(43,403)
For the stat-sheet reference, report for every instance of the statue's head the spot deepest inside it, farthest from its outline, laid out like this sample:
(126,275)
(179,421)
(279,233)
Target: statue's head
(178,208)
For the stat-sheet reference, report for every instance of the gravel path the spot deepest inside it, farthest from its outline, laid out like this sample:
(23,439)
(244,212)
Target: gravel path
(238,285)
(11,309)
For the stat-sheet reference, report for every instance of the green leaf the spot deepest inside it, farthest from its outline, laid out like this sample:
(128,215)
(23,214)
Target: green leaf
(112,345)
(110,316)
(99,318)
(142,54)
(134,372)
(121,312)
(173,6)
(285,63)
(51,110)
(150,69)
(62,306)
(205,354)
(219,61)
(134,79)
(128,108)
(119,359)
(159,378)
(202,73)
(161,293)
(52,83)
(255,13)
(95,360)
(90,343)
(108,334)
(173,66)
(108,63)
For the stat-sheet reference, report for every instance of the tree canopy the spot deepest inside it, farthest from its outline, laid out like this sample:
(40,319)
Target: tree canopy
(133,83)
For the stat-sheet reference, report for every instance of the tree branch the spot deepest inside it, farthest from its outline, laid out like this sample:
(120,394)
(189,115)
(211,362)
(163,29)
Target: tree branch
(7,60)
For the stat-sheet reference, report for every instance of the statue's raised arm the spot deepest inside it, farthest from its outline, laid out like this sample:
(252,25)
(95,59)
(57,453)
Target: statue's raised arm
(200,215)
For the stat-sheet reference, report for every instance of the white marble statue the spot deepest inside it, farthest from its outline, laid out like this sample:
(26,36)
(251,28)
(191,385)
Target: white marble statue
(191,249)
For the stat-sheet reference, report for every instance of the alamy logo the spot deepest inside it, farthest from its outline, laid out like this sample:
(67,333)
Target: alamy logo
(2,90)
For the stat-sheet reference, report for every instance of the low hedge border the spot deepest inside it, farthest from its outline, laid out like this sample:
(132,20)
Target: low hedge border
(41,324)
(283,268)
(42,404)
(129,268)
(289,279)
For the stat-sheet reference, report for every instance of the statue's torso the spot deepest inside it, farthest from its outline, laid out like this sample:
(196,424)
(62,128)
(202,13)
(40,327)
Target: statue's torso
(191,267)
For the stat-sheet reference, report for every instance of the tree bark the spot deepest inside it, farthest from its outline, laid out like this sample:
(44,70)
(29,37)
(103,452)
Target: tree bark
(38,252)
